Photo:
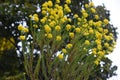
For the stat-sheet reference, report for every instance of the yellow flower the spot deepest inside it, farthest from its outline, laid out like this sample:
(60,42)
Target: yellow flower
(107,37)
(111,38)
(65,18)
(105,31)
(50,4)
(93,10)
(68,27)
(91,31)
(69,20)
(94,51)
(79,19)
(35,26)
(68,1)
(57,1)
(85,15)
(91,4)
(85,33)
(57,5)
(22,37)
(58,38)
(60,56)
(47,28)
(20,27)
(100,29)
(71,34)
(86,5)
(110,48)
(60,13)
(36,19)
(91,22)
(96,17)
(49,35)
(96,62)
(98,42)
(114,43)
(66,8)
(64,50)
(69,46)
(111,34)
(99,47)
(62,20)
(77,30)
(44,12)
(105,21)
(75,16)
(44,4)
(87,42)
(30,16)
(106,45)
(101,53)
(35,15)
(83,11)
(57,28)
(6,44)
(25,30)
(85,25)
(98,24)
(98,35)
(43,20)
(52,12)
(52,23)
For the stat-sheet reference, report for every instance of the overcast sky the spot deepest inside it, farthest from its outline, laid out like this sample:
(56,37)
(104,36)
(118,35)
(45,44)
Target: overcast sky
(114,7)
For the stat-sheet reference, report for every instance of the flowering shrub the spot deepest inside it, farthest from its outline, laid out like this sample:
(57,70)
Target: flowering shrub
(69,47)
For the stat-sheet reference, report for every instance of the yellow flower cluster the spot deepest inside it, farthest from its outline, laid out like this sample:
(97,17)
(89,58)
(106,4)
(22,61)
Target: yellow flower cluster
(6,44)
(68,1)
(68,27)
(22,37)
(47,28)
(49,35)
(58,38)
(60,56)
(69,46)
(87,42)
(56,26)
(71,34)
(34,17)
(23,30)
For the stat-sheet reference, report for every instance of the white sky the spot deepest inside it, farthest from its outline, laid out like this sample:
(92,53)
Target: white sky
(114,7)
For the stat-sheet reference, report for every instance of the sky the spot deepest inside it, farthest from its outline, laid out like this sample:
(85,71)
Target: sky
(114,7)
